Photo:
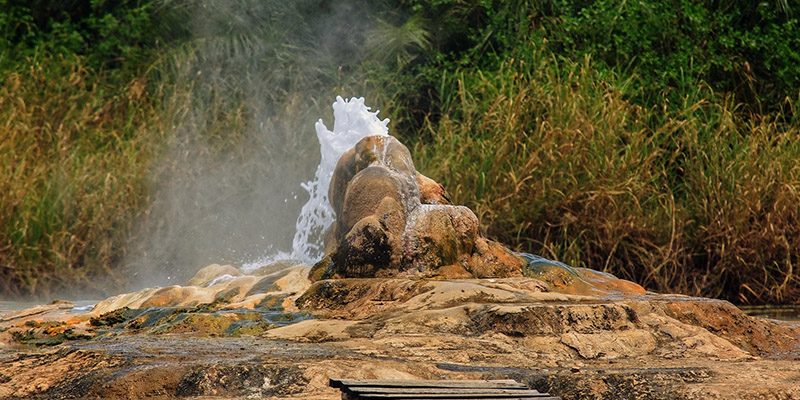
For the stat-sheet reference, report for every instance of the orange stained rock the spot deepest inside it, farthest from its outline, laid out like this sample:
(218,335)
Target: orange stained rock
(431,192)
(584,281)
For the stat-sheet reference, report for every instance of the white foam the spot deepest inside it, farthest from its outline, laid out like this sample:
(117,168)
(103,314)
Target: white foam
(266,260)
(352,121)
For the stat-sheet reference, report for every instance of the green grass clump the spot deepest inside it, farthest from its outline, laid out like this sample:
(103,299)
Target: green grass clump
(554,160)
(73,155)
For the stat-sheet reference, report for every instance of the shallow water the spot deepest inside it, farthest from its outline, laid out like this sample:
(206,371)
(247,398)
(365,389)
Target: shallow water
(79,306)
(781,312)
(15,305)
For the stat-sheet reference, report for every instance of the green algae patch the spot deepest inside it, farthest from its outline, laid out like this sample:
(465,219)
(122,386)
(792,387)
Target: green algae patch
(321,270)
(235,323)
(201,324)
(272,302)
(227,296)
(286,318)
(113,318)
(208,319)
(249,328)
(214,323)
(48,335)
(265,285)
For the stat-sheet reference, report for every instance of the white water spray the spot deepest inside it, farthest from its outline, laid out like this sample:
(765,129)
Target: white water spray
(352,122)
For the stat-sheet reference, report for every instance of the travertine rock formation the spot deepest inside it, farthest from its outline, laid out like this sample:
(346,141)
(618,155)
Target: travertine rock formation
(409,290)
(288,337)
(392,220)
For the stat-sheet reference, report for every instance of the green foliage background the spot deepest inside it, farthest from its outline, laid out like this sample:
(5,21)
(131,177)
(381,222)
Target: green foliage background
(656,140)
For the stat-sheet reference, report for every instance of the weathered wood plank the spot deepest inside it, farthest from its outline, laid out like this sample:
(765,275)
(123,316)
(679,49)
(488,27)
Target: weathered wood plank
(449,396)
(375,389)
(475,384)
(506,389)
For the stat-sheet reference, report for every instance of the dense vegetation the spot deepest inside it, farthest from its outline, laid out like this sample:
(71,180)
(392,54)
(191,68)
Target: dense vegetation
(74,142)
(656,140)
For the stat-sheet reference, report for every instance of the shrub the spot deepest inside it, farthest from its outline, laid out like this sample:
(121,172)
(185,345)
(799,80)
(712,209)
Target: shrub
(748,49)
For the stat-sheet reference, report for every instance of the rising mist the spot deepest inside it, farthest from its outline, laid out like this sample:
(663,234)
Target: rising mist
(250,82)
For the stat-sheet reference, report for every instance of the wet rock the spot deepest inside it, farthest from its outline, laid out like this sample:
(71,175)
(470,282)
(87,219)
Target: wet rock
(440,236)
(491,259)
(431,192)
(384,151)
(204,324)
(651,346)
(378,192)
(235,292)
(207,275)
(392,220)
(756,336)
(323,269)
(50,334)
(274,267)
(573,280)
(367,250)
(608,345)
(372,191)
(112,318)
(68,374)
(241,380)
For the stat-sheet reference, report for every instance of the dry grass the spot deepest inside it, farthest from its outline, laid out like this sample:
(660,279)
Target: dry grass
(548,152)
(555,161)
(73,154)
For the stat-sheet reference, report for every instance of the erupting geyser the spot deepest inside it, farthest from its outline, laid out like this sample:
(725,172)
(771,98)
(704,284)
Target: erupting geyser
(352,121)
(370,213)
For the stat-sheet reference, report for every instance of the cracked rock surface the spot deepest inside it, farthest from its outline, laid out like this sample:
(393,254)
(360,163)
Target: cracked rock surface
(302,333)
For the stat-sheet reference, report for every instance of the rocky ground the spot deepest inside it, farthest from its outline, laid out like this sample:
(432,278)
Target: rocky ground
(279,335)
(408,289)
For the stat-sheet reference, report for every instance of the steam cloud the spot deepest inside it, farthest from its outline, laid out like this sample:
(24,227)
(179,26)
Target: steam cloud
(250,85)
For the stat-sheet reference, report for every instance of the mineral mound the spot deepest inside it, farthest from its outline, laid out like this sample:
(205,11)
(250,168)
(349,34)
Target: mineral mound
(408,289)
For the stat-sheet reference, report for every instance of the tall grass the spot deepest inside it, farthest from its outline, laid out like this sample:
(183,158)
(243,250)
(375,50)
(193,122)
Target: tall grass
(74,152)
(555,161)
(199,159)
(693,195)
(246,83)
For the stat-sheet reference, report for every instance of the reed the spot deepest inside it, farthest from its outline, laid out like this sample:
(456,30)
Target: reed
(555,161)
(74,152)
(652,175)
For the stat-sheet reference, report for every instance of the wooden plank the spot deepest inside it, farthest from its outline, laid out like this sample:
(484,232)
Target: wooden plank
(505,389)
(474,384)
(453,396)
(373,389)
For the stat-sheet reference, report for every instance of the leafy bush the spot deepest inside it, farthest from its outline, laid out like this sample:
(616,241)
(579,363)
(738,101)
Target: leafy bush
(745,48)
(118,37)
(75,142)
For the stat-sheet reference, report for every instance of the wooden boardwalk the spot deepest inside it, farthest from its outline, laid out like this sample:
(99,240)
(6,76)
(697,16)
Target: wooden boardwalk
(353,389)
